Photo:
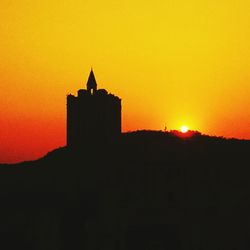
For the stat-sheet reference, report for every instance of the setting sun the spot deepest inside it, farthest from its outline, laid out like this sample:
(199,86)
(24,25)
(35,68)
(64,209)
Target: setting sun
(184,129)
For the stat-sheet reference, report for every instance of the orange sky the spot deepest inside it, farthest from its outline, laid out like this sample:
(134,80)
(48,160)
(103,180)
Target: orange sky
(172,62)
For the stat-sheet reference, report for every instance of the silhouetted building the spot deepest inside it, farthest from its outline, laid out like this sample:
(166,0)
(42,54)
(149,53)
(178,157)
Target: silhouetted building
(92,115)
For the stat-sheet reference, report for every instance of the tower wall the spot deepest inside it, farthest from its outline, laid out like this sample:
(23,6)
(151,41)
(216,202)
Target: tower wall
(92,117)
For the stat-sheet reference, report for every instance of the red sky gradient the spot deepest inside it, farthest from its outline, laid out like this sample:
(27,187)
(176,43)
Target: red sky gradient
(173,63)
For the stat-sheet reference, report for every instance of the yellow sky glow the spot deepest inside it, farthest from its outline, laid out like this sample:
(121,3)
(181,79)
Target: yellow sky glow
(172,63)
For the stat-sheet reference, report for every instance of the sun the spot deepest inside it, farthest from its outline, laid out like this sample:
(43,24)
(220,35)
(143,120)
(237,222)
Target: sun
(184,129)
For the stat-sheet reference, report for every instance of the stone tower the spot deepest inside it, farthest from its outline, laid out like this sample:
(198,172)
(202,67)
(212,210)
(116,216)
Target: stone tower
(92,115)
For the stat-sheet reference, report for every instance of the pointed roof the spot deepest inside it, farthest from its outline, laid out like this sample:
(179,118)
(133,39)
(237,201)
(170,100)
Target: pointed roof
(91,83)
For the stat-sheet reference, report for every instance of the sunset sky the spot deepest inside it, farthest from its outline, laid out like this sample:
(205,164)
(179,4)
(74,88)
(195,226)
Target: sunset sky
(173,63)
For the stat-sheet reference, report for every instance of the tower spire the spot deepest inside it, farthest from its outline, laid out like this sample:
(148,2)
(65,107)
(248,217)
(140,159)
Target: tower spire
(91,83)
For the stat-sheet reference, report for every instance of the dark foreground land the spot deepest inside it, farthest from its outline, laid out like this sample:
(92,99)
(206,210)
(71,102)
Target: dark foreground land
(149,191)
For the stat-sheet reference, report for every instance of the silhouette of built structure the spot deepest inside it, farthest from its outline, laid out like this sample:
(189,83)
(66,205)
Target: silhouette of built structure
(92,115)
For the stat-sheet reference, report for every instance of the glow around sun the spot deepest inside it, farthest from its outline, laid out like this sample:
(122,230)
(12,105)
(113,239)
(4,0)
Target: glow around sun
(184,129)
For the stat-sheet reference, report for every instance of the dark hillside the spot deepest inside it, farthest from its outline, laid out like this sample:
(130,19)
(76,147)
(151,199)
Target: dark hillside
(149,190)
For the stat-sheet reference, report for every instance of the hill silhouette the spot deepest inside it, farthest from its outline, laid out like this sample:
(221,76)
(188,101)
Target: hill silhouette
(147,190)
